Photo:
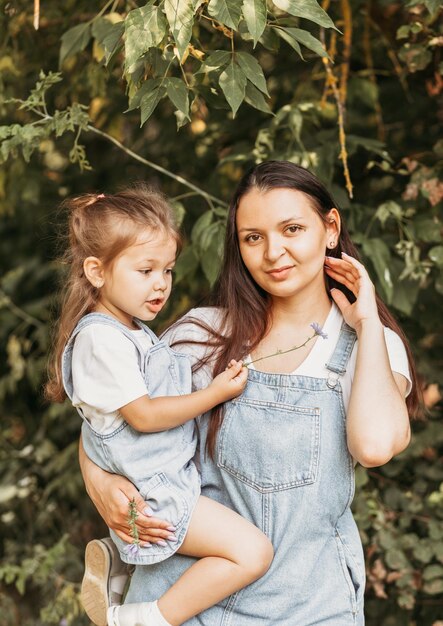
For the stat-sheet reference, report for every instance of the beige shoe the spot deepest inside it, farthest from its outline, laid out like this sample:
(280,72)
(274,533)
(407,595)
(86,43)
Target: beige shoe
(104,580)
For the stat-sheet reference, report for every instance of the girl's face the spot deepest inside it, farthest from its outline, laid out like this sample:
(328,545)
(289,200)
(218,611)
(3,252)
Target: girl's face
(283,241)
(139,280)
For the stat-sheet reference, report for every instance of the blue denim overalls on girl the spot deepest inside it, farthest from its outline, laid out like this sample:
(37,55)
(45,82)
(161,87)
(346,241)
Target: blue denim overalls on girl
(159,464)
(282,462)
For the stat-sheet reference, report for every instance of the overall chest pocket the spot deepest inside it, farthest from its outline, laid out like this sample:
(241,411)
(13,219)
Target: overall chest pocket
(268,445)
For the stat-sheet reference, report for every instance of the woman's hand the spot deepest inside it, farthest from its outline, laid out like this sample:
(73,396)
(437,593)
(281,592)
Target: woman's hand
(353,275)
(111,495)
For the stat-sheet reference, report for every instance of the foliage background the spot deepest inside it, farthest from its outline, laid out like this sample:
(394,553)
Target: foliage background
(382,83)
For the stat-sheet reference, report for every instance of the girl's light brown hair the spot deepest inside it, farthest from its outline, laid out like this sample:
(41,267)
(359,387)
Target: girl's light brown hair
(101,226)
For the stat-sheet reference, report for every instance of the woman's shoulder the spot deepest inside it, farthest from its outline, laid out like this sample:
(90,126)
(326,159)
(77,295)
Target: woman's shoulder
(196,325)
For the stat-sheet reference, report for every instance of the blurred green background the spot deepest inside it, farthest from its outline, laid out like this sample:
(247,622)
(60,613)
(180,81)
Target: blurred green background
(359,103)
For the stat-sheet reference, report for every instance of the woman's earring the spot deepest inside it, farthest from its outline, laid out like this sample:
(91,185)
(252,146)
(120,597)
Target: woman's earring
(331,244)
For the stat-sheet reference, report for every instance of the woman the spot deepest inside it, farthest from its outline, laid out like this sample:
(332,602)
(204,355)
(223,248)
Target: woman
(283,454)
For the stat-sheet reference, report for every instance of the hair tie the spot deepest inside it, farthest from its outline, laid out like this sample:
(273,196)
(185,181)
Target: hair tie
(100,195)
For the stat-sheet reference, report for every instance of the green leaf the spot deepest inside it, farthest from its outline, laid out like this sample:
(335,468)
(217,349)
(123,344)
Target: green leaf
(201,225)
(180,15)
(281,32)
(233,83)
(432,571)
(154,91)
(179,212)
(74,40)
(434,587)
(255,13)
(436,255)
(255,98)
(227,12)
(405,295)
(211,260)
(178,94)
(396,559)
(305,38)
(252,70)
(432,5)
(112,41)
(215,61)
(144,28)
(186,265)
(309,9)
(378,252)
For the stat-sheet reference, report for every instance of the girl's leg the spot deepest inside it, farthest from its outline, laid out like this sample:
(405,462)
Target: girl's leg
(233,553)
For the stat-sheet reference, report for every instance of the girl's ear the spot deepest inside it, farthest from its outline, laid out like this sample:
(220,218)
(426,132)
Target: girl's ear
(94,271)
(333,228)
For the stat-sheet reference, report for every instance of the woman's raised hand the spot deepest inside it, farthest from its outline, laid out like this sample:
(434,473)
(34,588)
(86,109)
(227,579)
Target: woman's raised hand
(353,275)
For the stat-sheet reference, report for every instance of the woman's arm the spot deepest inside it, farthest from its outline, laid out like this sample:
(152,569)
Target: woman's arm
(377,418)
(111,494)
(155,414)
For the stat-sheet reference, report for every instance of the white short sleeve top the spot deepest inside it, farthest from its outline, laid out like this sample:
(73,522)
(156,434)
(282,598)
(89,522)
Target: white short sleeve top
(106,374)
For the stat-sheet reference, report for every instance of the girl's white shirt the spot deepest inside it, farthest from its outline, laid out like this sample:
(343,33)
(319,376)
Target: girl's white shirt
(106,375)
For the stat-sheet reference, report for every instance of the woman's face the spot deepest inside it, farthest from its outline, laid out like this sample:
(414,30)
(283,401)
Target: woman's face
(283,241)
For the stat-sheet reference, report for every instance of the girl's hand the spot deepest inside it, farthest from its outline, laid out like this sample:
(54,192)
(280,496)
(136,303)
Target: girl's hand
(230,383)
(353,275)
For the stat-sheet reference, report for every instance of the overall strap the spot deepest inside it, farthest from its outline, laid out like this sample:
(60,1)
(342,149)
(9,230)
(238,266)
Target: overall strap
(100,318)
(339,359)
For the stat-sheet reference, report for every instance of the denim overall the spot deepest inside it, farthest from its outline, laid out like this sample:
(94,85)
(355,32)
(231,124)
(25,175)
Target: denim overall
(159,464)
(282,462)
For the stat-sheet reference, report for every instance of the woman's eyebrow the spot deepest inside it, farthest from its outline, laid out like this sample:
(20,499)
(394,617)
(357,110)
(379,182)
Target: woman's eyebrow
(282,223)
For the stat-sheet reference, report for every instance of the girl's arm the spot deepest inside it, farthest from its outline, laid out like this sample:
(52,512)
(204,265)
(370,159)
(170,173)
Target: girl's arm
(111,494)
(155,414)
(377,418)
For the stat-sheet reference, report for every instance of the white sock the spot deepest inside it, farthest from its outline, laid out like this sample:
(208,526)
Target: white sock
(130,614)
(156,616)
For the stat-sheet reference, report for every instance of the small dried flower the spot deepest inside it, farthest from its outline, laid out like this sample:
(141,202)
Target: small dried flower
(133,547)
(318,330)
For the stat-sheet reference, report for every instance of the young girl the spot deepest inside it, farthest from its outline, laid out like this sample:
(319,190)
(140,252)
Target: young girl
(133,394)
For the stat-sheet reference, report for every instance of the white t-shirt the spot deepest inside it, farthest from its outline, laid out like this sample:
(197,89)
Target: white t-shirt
(105,374)
(313,365)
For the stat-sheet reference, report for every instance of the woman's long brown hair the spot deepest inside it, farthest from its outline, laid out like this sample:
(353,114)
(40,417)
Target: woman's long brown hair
(245,307)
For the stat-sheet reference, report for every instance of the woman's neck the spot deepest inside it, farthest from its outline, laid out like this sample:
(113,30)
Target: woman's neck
(299,313)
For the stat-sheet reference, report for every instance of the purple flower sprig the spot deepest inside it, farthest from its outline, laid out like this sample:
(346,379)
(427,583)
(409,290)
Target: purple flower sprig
(133,548)
(318,332)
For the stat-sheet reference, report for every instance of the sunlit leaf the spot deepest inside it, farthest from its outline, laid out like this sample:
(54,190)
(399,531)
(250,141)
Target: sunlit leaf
(255,13)
(144,28)
(309,9)
(227,12)
(180,15)
(233,83)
